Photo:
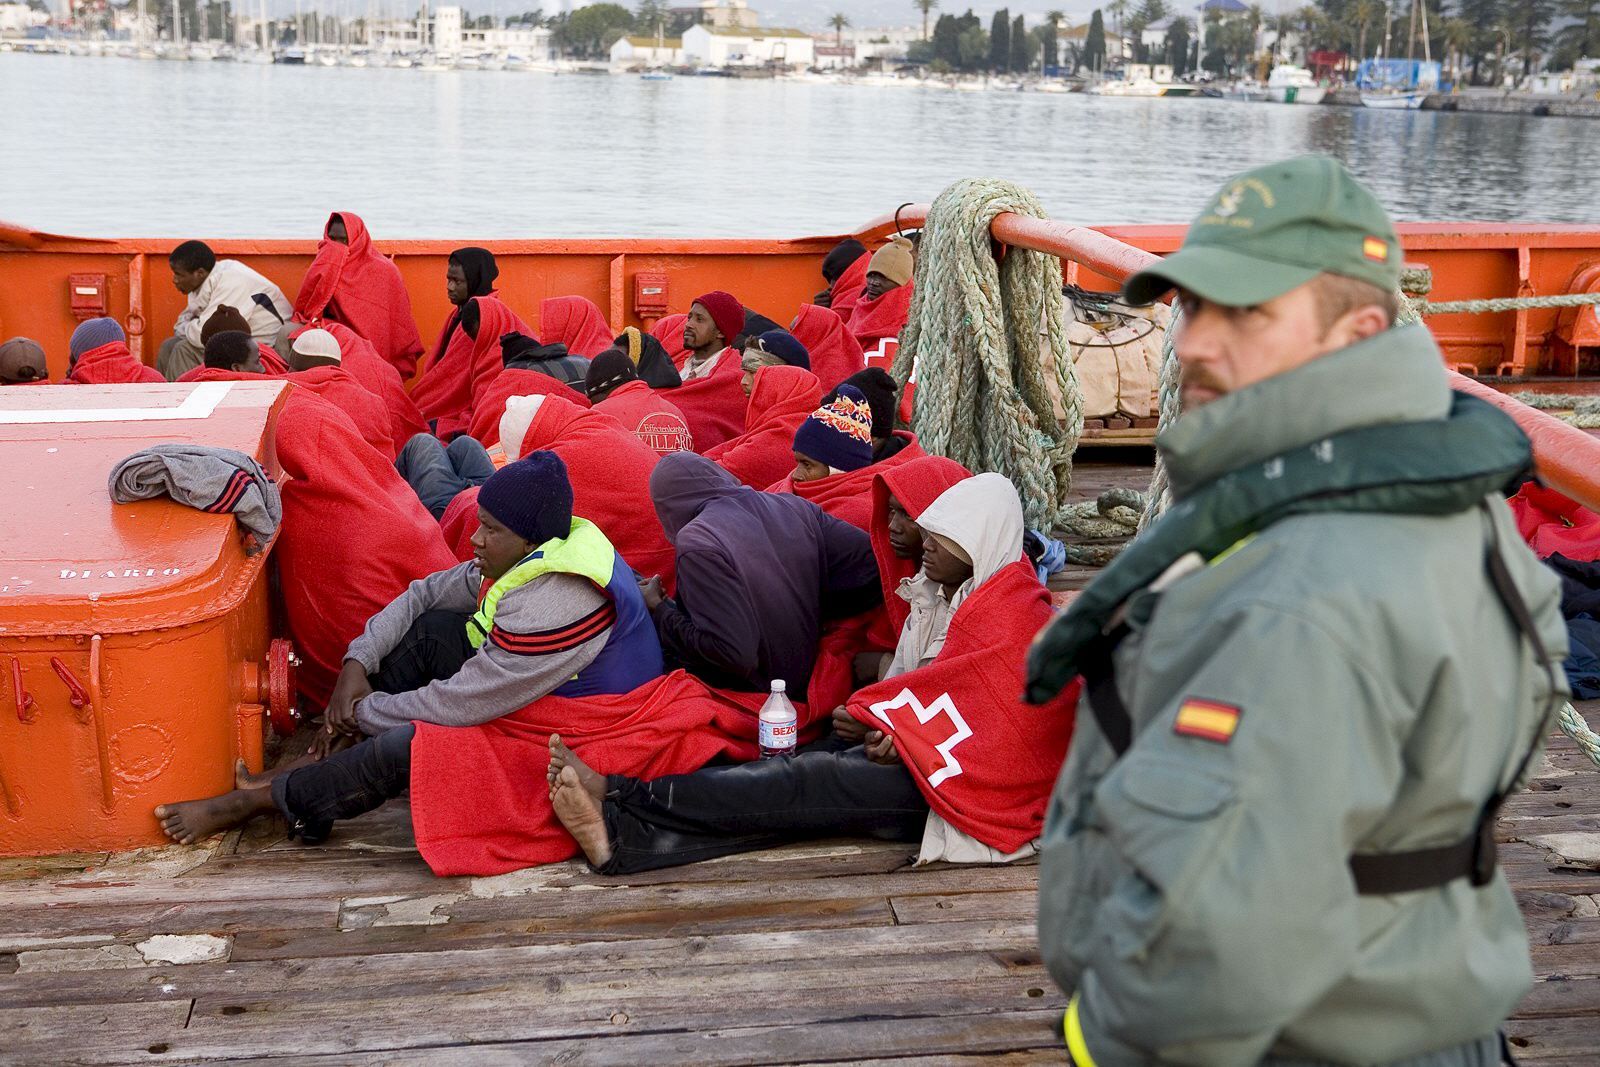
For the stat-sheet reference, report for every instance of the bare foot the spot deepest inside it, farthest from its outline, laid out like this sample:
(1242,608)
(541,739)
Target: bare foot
(243,779)
(579,812)
(592,781)
(191,820)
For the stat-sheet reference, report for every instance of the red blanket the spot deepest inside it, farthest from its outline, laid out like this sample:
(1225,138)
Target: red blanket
(272,366)
(673,725)
(835,353)
(356,285)
(1552,523)
(653,418)
(111,364)
(340,388)
(610,473)
(848,286)
(780,400)
(462,368)
(916,485)
(575,322)
(669,331)
(983,760)
(490,405)
(848,496)
(876,325)
(382,380)
(354,536)
(714,405)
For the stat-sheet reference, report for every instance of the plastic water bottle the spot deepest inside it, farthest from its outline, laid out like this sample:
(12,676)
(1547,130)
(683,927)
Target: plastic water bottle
(780,726)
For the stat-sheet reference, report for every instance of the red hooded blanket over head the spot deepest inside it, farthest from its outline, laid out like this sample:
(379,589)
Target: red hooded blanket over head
(111,364)
(354,536)
(610,473)
(382,380)
(915,485)
(514,381)
(835,353)
(1552,523)
(575,322)
(714,405)
(339,387)
(848,496)
(669,331)
(876,325)
(354,284)
(847,288)
(673,725)
(463,365)
(780,400)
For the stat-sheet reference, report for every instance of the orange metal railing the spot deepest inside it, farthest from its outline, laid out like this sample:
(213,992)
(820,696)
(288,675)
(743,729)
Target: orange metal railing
(1568,459)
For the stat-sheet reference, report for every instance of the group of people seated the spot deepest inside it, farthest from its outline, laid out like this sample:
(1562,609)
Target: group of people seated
(545,576)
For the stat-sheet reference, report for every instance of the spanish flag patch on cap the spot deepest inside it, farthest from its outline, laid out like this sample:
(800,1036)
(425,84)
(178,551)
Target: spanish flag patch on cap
(1207,720)
(1376,248)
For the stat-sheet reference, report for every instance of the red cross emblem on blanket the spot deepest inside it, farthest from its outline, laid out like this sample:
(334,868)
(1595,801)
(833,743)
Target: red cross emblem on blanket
(926,713)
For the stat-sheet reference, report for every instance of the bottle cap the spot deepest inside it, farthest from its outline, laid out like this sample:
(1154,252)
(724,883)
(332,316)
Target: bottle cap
(779,685)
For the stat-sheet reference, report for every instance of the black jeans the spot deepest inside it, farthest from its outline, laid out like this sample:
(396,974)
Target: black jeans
(436,472)
(718,811)
(362,777)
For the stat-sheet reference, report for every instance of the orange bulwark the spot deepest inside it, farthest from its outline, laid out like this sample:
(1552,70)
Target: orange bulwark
(136,657)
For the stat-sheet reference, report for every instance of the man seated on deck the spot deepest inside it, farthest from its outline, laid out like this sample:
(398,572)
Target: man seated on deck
(775,348)
(836,438)
(757,574)
(229,350)
(970,782)
(1313,679)
(22,362)
(545,606)
(715,319)
(835,263)
(209,283)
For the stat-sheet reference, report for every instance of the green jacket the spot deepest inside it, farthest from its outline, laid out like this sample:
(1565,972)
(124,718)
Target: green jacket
(1338,683)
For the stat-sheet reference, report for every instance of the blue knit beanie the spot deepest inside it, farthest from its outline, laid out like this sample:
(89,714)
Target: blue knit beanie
(91,334)
(786,346)
(839,433)
(531,497)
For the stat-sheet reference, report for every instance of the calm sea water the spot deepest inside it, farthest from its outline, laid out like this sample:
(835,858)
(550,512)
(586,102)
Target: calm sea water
(119,147)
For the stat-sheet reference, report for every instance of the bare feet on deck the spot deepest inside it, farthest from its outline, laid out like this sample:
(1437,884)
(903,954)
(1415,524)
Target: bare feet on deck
(592,781)
(192,820)
(243,779)
(579,812)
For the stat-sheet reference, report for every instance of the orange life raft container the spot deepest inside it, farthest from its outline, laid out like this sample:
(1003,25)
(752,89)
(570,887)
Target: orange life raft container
(136,655)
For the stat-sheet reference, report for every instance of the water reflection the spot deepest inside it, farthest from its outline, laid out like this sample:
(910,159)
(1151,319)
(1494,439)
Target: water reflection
(125,147)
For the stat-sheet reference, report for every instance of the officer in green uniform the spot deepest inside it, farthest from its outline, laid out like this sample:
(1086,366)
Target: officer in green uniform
(1309,685)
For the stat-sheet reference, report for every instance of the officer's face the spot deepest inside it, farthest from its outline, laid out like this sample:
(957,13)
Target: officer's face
(1223,349)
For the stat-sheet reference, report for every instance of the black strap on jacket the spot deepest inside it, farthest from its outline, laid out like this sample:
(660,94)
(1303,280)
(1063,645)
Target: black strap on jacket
(1378,874)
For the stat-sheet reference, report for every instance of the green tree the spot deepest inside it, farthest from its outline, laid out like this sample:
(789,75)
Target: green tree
(1176,44)
(926,7)
(974,49)
(1094,42)
(1581,36)
(839,21)
(1147,13)
(1052,48)
(947,41)
(1530,30)
(1021,46)
(589,31)
(1000,41)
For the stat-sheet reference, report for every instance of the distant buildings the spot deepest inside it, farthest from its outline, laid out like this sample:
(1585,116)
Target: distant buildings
(445,32)
(709,46)
(647,52)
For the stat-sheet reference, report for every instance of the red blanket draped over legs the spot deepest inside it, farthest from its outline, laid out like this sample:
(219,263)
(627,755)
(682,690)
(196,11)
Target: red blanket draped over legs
(111,364)
(984,761)
(354,536)
(339,387)
(835,353)
(575,322)
(1552,523)
(916,485)
(463,367)
(381,379)
(848,496)
(514,381)
(504,822)
(356,285)
(780,400)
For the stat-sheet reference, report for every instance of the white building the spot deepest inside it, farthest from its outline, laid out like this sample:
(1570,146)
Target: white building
(721,14)
(445,34)
(647,52)
(20,18)
(885,44)
(707,46)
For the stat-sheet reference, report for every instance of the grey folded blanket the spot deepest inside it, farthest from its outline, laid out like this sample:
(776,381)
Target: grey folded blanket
(218,480)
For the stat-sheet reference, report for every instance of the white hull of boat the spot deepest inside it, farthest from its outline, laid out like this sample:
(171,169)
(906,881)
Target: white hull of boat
(1302,94)
(1393,101)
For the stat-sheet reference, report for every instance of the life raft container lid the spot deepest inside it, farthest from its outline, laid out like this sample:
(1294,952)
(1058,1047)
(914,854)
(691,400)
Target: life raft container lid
(75,563)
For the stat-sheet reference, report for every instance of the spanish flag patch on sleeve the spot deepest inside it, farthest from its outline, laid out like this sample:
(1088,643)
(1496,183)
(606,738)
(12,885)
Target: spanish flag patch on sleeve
(1376,248)
(1207,720)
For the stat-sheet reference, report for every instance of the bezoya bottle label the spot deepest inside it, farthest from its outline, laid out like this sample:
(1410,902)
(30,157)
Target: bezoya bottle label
(778,736)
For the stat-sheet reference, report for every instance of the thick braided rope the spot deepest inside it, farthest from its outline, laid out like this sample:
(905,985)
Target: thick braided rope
(1576,409)
(1156,497)
(986,386)
(1511,303)
(1573,726)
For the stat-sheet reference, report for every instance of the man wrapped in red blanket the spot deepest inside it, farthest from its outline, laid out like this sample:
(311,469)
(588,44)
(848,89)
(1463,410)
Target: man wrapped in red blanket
(950,755)
(833,452)
(781,398)
(351,282)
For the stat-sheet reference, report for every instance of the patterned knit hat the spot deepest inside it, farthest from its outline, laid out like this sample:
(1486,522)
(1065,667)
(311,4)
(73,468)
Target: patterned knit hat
(531,497)
(839,433)
(91,334)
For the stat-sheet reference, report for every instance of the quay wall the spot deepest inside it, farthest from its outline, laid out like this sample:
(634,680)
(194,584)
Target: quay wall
(1491,103)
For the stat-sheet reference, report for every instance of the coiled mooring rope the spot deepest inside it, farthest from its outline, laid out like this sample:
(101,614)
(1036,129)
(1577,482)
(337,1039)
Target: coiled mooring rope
(989,345)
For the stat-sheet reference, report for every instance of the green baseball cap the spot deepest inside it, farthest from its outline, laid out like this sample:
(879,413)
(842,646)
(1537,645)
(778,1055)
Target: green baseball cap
(1274,228)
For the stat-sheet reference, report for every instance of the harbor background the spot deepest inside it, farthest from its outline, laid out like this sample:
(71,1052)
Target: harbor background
(117,147)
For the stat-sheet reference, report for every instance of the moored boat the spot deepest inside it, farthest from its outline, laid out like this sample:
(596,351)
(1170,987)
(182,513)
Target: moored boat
(1294,85)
